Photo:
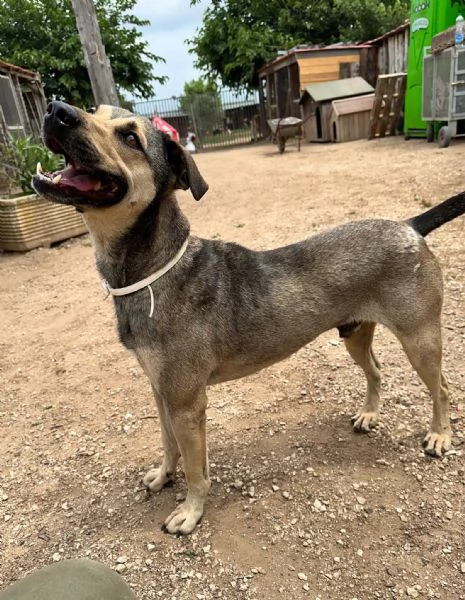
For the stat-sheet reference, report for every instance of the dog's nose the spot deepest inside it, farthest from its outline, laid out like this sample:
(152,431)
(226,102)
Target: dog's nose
(63,114)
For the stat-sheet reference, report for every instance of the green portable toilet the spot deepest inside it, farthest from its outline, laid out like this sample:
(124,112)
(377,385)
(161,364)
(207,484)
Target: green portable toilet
(427,18)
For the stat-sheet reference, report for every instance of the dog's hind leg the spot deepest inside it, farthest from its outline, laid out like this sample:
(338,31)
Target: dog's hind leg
(156,479)
(188,422)
(424,350)
(359,346)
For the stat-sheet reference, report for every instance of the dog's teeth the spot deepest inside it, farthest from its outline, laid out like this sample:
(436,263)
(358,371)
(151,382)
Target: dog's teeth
(56,179)
(39,169)
(97,186)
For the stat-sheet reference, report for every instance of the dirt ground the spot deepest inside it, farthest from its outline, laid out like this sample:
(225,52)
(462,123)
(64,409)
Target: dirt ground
(300,506)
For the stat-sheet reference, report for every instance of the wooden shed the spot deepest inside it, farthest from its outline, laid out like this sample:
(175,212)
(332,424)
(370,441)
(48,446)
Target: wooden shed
(283,80)
(317,104)
(390,50)
(22,101)
(349,118)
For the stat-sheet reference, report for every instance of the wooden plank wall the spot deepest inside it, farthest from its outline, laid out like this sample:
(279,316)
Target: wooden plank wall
(323,68)
(392,53)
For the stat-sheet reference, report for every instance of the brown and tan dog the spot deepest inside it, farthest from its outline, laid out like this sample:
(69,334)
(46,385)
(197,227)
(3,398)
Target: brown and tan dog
(197,312)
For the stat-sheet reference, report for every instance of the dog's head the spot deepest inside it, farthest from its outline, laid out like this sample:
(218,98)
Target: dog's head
(112,157)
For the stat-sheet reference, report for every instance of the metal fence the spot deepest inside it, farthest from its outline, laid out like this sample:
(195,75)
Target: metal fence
(217,119)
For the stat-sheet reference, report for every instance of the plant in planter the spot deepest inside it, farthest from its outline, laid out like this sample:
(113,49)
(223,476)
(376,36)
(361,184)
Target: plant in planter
(26,220)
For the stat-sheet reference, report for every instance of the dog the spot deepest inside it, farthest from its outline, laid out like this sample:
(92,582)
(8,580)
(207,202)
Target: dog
(198,312)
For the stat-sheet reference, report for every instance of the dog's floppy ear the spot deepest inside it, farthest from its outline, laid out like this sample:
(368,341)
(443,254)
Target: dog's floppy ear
(185,170)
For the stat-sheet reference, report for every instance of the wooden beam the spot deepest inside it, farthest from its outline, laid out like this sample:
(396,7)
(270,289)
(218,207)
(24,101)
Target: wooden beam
(98,65)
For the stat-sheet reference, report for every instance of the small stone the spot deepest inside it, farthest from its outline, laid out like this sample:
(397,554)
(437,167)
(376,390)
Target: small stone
(462,567)
(286,495)
(56,557)
(412,592)
(359,552)
(151,547)
(206,549)
(361,500)
(319,506)
(275,488)
(121,560)
(302,576)
(120,568)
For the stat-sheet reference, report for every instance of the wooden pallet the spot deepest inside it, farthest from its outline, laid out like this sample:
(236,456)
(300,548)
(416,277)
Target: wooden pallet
(388,105)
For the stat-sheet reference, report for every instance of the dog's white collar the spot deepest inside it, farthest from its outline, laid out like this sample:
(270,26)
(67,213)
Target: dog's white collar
(145,283)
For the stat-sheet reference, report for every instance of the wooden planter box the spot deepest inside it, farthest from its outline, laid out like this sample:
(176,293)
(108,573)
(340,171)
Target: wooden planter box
(28,222)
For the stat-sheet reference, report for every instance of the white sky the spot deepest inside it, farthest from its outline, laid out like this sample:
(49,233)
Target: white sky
(172,22)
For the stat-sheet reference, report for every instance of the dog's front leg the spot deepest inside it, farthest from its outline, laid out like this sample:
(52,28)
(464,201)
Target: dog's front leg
(156,479)
(188,422)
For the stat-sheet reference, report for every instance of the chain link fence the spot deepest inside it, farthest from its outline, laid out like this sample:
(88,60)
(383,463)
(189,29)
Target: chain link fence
(217,119)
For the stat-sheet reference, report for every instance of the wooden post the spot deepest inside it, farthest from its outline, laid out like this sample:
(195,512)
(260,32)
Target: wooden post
(98,66)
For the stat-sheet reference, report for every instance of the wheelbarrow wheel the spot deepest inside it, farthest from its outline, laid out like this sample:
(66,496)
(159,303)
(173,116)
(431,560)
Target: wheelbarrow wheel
(281,144)
(444,137)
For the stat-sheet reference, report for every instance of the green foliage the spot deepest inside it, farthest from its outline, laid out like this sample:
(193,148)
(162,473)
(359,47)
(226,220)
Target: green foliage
(202,102)
(19,158)
(238,37)
(41,35)
(367,19)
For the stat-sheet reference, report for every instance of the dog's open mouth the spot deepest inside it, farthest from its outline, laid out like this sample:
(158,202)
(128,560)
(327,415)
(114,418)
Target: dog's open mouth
(79,185)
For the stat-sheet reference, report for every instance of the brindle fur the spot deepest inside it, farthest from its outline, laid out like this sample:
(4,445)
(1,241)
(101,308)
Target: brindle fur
(224,311)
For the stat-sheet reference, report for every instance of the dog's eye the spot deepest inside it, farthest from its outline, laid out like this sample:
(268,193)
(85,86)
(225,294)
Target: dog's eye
(131,139)
(91,109)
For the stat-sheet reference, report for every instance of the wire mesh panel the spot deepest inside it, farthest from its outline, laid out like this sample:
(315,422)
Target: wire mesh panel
(442,86)
(427,92)
(217,119)
(459,85)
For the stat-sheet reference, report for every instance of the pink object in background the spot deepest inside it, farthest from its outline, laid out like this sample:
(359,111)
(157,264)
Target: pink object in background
(166,128)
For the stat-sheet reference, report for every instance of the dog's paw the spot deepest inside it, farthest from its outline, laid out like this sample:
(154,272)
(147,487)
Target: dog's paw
(363,422)
(184,519)
(157,479)
(436,444)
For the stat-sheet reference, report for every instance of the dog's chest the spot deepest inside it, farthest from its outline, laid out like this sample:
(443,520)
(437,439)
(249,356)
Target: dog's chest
(136,329)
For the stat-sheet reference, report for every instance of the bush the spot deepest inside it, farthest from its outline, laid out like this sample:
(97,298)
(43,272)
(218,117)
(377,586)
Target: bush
(18,162)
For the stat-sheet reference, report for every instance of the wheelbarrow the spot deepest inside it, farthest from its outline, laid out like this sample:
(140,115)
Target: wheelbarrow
(283,129)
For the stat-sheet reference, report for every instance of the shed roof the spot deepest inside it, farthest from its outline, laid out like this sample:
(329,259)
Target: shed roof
(339,88)
(349,106)
(392,33)
(308,52)
(4,66)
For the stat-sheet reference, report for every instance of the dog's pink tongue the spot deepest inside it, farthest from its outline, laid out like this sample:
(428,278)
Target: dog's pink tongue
(83,182)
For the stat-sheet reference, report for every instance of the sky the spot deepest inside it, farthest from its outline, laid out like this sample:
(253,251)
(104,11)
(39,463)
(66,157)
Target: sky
(172,22)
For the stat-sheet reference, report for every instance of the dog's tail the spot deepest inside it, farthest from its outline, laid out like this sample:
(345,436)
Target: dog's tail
(438,215)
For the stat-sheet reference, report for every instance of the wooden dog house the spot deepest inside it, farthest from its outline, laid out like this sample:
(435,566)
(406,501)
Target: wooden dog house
(317,104)
(349,118)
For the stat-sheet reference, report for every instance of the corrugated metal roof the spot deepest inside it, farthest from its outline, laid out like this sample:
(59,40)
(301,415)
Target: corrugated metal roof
(339,88)
(348,106)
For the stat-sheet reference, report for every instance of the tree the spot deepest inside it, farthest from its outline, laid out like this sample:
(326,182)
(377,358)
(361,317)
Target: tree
(41,35)
(238,37)
(202,102)
(368,19)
